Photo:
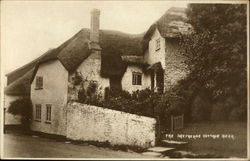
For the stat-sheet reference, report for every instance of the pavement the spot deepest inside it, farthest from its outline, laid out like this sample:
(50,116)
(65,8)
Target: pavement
(18,145)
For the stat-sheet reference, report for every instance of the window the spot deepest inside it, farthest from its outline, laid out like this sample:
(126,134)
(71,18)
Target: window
(48,113)
(39,82)
(157,44)
(38,112)
(136,78)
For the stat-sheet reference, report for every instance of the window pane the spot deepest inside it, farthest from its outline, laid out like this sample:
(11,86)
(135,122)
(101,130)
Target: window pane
(39,82)
(133,79)
(139,79)
(38,112)
(48,112)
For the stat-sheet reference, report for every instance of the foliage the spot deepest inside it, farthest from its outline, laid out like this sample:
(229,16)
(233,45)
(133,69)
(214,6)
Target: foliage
(238,114)
(81,95)
(139,102)
(90,95)
(22,107)
(201,108)
(77,79)
(216,54)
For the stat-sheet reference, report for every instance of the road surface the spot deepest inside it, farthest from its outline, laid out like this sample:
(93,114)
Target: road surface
(25,146)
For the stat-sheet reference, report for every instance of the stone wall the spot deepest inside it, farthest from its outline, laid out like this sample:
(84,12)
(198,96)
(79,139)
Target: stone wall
(92,123)
(175,69)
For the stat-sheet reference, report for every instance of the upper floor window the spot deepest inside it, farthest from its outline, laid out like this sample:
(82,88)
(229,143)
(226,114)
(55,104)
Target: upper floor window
(157,44)
(48,113)
(39,82)
(38,112)
(136,78)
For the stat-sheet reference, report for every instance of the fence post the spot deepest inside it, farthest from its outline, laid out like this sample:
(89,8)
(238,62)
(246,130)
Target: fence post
(182,120)
(158,130)
(172,123)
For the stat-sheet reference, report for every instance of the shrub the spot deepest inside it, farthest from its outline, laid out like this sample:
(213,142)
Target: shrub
(91,89)
(81,95)
(77,78)
(238,113)
(142,94)
(22,107)
(118,93)
(219,112)
(201,108)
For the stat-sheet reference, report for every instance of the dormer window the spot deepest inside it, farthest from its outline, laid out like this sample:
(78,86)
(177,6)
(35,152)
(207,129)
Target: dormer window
(39,82)
(157,44)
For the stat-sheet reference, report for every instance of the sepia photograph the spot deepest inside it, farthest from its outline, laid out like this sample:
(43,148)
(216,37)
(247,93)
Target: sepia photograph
(137,80)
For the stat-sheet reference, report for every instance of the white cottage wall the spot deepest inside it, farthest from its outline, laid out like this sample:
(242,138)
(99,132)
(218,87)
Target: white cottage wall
(152,55)
(54,92)
(90,71)
(127,79)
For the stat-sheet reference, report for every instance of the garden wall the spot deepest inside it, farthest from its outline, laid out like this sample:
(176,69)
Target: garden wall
(92,123)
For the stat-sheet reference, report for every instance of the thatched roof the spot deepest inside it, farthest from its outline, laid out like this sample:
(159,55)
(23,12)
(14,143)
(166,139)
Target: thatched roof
(172,24)
(134,60)
(114,44)
(21,86)
(155,66)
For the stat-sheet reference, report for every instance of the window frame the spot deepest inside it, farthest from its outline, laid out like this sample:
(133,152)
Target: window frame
(48,113)
(39,82)
(157,44)
(136,78)
(38,112)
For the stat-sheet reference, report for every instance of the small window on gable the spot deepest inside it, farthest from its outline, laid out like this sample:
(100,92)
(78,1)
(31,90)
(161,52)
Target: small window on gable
(137,78)
(39,82)
(48,113)
(38,112)
(157,44)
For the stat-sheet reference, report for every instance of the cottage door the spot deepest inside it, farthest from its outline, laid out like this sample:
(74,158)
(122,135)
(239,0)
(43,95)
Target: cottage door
(152,80)
(160,80)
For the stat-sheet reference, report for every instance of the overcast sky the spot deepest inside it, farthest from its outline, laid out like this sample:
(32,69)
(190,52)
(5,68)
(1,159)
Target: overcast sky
(31,28)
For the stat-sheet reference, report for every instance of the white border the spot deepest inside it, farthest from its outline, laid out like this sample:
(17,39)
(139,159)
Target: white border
(189,1)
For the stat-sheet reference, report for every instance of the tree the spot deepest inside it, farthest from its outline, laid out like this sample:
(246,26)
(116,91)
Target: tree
(22,107)
(216,51)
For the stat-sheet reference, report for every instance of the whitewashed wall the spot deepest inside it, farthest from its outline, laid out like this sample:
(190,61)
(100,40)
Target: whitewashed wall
(152,55)
(127,79)
(90,70)
(54,92)
(91,123)
(9,118)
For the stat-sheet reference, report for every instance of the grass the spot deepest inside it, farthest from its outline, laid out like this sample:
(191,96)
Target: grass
(225,147)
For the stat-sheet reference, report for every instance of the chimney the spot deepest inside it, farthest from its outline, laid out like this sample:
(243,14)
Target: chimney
(95,25)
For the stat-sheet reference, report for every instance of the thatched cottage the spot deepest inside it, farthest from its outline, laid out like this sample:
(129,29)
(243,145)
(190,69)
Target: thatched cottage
(108,58)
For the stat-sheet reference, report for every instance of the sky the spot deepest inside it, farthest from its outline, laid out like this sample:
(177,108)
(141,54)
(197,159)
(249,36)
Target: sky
(30,28)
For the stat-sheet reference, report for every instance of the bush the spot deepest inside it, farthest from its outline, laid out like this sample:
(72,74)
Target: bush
(117,93)
(201,108)
(238,113)
(81,95)
(22,107)
(219,112)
